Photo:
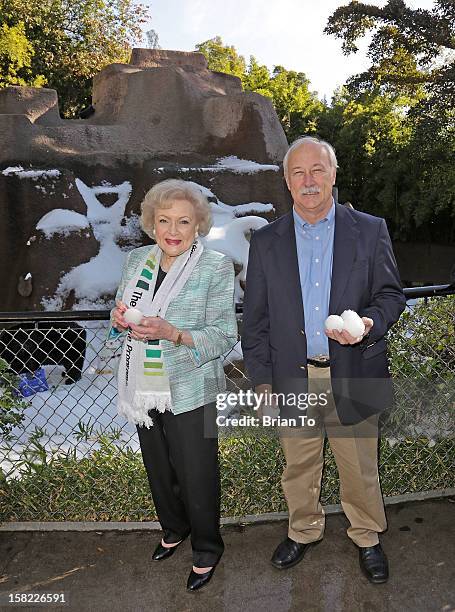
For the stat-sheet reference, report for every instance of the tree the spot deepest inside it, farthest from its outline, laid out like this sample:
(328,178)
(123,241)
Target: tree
(15,57)
(297,107)
(371,134)
(257,78)
(152,39)
(222,58)
(413,58)
(410,48)
(64,44)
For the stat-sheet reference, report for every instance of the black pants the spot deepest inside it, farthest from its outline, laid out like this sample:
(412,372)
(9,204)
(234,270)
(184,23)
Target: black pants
(183,472)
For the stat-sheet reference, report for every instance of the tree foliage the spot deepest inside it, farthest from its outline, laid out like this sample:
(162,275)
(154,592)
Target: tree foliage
(390,166)
(413,60)
(371,135)
(412,53)
(64,44)
(410,48)
(297,107)
(16,54)
(390,162)
(222,58)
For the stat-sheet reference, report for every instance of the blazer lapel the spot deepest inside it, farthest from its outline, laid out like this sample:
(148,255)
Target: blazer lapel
(285,253)
(344,251)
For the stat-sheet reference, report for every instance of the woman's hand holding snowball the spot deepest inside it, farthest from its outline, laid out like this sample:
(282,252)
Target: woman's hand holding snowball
(154,328)
(148,328)
(117,316)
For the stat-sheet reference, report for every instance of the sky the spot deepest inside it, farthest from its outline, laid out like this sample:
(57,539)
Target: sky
(287,33)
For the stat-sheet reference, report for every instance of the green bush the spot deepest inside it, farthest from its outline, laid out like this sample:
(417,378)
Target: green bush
(422,343)
(422,363)
(110,484)
(11,405)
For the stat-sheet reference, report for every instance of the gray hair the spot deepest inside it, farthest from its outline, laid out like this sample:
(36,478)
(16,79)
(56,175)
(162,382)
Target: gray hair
(162,194)
(303,140)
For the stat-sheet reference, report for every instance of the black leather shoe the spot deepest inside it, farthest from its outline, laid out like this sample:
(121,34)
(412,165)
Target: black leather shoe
(289,553)
(373,563)
(197,581)
(164,552)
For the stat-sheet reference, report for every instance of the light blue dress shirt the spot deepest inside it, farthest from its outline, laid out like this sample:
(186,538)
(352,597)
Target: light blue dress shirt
(315,256)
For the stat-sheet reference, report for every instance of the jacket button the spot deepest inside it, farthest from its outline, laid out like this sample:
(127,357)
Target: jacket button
(302,331)
(303,367)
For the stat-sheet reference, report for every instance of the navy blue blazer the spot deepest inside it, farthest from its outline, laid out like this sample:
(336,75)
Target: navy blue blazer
(365,278)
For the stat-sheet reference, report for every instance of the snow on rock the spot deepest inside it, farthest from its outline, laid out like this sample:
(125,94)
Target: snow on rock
(229,231)
(96,211)
(131,231)
(31,174)
(101,274)
(232,163)
(98,276)
(61,221)
(251,207)
(244,165)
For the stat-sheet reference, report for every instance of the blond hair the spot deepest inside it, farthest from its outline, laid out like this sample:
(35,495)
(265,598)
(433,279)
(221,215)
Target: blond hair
(164,193)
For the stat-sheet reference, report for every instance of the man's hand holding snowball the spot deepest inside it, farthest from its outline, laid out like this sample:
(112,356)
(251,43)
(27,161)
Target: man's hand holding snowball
(344,337)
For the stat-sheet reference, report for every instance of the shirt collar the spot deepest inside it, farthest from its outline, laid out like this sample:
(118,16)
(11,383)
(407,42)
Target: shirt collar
(299,222)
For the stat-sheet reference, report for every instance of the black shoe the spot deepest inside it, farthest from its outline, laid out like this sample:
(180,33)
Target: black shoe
(197,581)
(289,553)
(164,552)
(373,563)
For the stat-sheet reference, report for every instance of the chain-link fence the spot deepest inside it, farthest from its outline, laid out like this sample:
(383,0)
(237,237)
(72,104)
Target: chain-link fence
(65,454)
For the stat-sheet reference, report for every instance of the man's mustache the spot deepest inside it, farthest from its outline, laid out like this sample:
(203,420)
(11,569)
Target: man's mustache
(310,191)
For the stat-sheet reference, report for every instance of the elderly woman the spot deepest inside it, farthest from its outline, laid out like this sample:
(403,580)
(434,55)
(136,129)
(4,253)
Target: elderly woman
(170,370)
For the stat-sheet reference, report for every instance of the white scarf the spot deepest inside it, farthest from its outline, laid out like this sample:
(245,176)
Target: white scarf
(142,380)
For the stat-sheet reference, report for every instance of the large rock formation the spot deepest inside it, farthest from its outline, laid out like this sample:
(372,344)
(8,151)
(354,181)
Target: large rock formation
(163,115)
(166,103)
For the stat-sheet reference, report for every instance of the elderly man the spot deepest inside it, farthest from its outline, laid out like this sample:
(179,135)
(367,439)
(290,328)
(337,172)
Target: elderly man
(323,258)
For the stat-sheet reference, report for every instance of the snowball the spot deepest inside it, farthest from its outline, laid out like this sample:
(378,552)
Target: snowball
(133,315)
(334,322)
(353,324)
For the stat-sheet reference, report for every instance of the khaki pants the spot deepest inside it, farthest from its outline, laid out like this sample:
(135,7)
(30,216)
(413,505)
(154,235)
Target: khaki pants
(356,454)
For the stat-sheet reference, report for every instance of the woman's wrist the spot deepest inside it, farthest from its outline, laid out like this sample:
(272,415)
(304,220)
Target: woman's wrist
(179,337)
(172,336)
(175,335)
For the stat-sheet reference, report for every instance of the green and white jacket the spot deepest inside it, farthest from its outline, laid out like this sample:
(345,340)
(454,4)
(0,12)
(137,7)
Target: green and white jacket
(204,307)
